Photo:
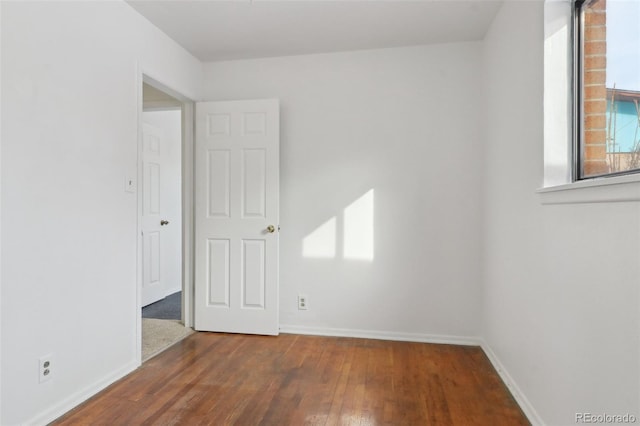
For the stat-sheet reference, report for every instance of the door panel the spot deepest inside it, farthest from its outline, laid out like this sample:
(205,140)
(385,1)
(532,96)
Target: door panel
(218,273)
(254,182)
(152,285)
(218,179)
(253,274)
(161,203)
(236,201)
(152,188)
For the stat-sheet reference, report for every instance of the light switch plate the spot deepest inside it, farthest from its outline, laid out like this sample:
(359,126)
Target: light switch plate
(129,184)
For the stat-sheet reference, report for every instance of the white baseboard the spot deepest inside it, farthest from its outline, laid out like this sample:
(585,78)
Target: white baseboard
(518,395)
(79,397)
(382,335)
(528,409)
(173,290)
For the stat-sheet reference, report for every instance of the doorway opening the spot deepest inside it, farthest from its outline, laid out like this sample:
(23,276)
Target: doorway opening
(163,226)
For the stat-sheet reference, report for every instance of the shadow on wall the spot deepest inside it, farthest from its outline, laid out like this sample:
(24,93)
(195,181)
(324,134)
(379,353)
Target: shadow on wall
(356,223)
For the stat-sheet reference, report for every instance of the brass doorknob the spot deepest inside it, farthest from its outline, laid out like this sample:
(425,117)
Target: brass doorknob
(271,229)
(164,222)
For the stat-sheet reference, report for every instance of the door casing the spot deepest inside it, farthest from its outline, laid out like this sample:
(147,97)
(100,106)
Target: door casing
(187,166)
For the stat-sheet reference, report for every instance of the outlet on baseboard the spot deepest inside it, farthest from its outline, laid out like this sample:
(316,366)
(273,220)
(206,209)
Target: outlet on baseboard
(45,368)
(303,302)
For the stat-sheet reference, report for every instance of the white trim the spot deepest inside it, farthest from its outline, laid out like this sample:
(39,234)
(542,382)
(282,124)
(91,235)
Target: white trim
(161,105)
(526,406)
(558,187)
(81,396)
(600,190)
(557,100)
(1,341)
(513,387)
(188,231)
(186,105)
(382,335)
(139,141)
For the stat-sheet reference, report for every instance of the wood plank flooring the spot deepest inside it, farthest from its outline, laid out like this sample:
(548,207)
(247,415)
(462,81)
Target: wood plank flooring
(226,379)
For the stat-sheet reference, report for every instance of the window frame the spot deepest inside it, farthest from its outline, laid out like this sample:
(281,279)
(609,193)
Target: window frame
(576,90)
(577,105)
(556,184)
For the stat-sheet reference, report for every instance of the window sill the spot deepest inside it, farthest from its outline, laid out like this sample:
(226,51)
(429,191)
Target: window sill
(599,190)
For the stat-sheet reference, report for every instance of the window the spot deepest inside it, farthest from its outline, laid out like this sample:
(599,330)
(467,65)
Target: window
(607,75)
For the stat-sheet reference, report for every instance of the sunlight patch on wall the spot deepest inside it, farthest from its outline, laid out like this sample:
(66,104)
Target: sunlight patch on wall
(321,243)
(358,228)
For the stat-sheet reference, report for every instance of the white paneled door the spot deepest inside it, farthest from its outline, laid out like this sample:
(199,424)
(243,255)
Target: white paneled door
(152,163)
(236,209)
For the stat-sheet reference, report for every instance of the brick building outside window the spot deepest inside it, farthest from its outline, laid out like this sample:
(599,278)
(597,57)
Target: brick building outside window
(608,75)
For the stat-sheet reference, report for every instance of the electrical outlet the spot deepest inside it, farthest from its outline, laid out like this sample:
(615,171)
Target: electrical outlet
(45,368)
(303,302)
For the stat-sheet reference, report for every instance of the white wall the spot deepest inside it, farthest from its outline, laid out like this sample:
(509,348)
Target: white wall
(69,138)
(170,122)
(453,169)
(560,281)
(404,123)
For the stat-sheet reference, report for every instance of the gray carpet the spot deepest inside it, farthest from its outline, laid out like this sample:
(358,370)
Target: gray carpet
(169,308)
(158,335)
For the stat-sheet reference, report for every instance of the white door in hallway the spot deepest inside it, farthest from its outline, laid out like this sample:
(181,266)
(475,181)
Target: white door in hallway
(236,216)
(161,203)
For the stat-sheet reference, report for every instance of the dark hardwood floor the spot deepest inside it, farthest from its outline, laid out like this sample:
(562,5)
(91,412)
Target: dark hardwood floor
(220,379)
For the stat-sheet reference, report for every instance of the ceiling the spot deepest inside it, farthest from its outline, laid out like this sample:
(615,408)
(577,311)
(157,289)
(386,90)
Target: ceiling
(151,94)
(226,30)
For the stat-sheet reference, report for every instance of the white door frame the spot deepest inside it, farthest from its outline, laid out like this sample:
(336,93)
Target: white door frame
(187,107)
